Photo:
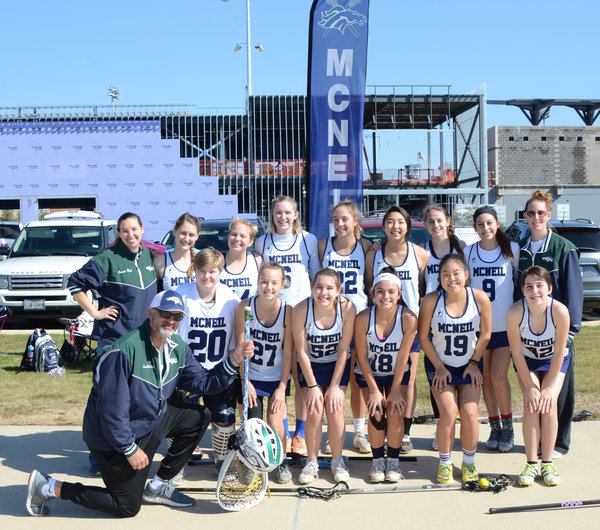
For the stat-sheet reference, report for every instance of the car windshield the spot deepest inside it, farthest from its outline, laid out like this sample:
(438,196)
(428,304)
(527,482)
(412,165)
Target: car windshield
(586,239)
(58,240)
(8,231)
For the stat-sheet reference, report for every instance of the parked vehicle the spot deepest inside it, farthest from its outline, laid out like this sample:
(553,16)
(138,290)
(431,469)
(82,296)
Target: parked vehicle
(585,235)
(213,233)
(9,230)
(373,230)
(34,276)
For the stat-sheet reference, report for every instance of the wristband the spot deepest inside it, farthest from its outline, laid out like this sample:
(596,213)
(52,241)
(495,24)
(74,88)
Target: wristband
(232,363)
(312,386)
(473,361)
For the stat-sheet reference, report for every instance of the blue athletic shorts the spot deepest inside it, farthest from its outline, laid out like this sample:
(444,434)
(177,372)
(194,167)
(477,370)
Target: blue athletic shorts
(499,339)
(456,373)
(323,373)
(543,365)
(382,380)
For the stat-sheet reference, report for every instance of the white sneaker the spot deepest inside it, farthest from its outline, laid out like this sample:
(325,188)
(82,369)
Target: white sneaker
(310,472)
(434,444)
(177,480)
(339,469)
(327,448)
(361,444)
(377,473)
(392,470)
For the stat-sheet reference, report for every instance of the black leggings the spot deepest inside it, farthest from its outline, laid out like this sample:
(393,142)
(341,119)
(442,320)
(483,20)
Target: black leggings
(184,422)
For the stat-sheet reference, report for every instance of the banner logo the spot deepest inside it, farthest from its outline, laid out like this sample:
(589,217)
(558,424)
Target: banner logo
(341,17)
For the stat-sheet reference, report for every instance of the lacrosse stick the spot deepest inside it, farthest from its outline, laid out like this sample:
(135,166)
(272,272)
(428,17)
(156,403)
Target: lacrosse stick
(528,507)
(239,487)
(341,488)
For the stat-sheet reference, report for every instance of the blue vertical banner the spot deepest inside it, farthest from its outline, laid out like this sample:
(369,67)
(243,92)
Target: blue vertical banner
(337,73)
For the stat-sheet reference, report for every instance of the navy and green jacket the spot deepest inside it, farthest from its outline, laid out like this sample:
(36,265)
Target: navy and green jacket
(121,278)
(133,380)
(561,259)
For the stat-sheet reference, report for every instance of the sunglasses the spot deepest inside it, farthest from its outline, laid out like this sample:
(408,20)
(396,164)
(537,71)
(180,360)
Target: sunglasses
(540,213)
(177,317)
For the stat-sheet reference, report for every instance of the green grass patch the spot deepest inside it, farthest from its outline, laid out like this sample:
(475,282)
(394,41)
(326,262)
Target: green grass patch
(37,399)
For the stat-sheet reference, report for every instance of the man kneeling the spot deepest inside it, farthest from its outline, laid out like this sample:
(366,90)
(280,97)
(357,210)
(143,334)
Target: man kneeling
(127,416)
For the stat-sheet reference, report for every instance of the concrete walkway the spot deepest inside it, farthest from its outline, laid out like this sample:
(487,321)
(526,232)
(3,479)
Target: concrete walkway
(60,451)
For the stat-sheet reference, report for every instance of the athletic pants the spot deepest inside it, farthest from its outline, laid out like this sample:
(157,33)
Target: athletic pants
(184,422)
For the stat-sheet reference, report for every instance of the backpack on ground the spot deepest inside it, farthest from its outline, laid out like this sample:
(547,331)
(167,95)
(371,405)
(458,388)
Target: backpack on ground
(44,356)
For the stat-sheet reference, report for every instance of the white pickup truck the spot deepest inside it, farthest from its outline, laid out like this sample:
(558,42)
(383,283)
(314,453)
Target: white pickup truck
(33,279)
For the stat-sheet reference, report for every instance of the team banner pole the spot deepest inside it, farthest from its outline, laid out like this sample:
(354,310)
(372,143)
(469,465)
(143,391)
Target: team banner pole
(337,73)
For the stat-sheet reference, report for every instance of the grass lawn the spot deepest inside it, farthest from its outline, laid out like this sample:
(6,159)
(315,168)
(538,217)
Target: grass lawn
(36,399)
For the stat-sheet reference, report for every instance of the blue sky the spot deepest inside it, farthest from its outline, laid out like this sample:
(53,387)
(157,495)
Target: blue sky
(68,52)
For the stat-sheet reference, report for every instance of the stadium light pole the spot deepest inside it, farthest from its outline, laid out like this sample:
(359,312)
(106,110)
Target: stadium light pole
(248,93)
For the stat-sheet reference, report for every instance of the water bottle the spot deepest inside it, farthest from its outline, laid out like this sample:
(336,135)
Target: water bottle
(30,354)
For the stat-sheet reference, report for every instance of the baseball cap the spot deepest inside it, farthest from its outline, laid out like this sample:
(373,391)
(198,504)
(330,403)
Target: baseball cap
(168,301)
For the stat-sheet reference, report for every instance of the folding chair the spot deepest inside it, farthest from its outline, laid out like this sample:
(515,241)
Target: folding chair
(77,332)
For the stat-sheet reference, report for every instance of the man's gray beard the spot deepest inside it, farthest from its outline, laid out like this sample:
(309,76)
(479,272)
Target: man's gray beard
(165,333)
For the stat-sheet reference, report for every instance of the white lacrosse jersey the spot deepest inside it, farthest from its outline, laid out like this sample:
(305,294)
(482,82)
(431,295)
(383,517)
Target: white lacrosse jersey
(351,269)
(382,353)
(408,273)
(322,344)
(297,255)
(432,268)
(267,361)
(174,277)
(492,272)
(454,338)
(209,329)
(538,346)
(245,283)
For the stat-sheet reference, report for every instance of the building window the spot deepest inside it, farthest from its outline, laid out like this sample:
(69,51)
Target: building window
(544,138)
(525,138)
(561,138)
(580,138)
(598,138)
(511,138)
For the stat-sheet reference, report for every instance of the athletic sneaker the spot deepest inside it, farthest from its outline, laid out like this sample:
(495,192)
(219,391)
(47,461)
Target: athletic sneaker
(434,444)
(284,473)
(507,439)
(469,473)
(392,470)
(361,444)
(299,445)
(177,480)
(288,446)
(494,439)
(527,478)
(309,473)
(167,494)
(339,469)
(555,454)
(407,445)
(327,448)
(377,473)
(197,454)
(444,474)
(551,476)
(37,501)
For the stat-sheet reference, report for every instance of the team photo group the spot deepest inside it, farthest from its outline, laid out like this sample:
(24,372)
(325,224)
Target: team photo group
(179,332)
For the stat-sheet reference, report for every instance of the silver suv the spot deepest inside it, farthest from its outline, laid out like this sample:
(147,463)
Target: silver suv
(585,235)
(33,279)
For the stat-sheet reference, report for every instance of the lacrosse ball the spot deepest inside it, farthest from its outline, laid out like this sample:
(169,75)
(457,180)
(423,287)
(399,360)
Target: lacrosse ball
(484,483)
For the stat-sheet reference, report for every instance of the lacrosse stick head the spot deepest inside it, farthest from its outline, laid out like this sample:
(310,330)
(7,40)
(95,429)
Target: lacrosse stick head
(259,447)
(239,487)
